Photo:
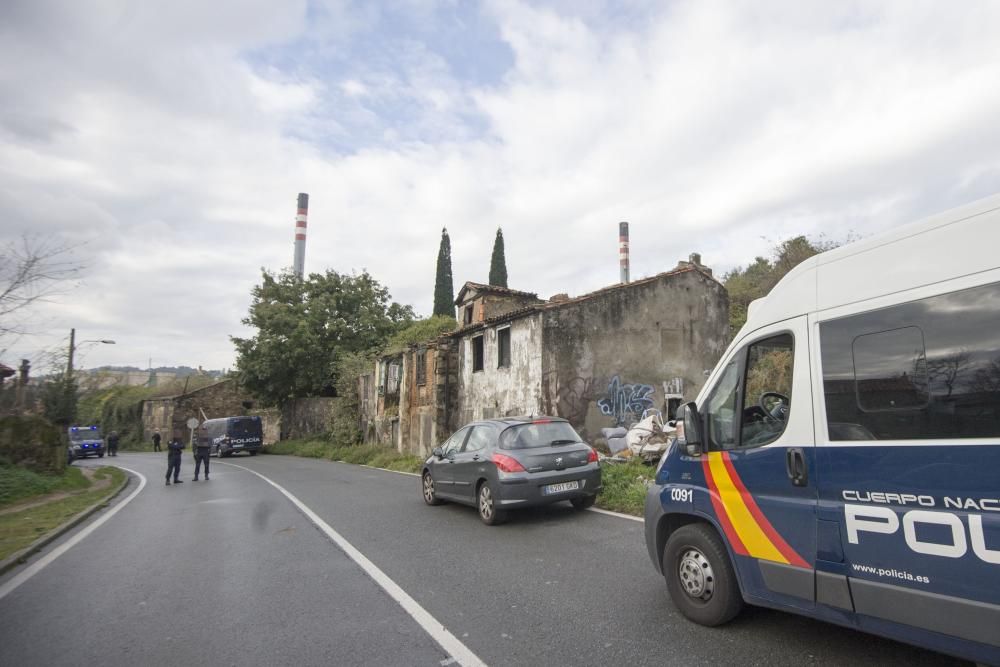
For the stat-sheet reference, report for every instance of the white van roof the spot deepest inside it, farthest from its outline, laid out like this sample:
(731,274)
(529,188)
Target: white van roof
(959,242)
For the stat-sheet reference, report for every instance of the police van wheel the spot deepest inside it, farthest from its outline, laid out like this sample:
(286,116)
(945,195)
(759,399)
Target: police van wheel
(700,576)
(100,455)
(253,453)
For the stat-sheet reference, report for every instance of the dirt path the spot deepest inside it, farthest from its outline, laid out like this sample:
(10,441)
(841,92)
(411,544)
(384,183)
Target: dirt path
(95,485)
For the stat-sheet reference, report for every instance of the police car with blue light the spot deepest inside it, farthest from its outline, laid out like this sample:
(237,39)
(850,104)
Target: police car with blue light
(84,441)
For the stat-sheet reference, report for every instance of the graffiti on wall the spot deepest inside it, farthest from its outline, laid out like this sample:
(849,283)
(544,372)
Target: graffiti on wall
(623,400)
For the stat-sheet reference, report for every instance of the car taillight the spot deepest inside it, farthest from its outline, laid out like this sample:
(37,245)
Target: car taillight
(507,463)
(592,456)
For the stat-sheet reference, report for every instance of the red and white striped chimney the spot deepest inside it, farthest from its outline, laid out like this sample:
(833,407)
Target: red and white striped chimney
(623,250)
(300,234)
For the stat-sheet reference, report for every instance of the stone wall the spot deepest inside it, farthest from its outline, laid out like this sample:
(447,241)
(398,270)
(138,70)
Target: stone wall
(170,415)
(305,417)
(270,423)
(500,392)
(610,356)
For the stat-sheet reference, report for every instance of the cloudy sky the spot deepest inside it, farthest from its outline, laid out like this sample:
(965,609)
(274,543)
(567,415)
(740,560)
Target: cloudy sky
(167,141)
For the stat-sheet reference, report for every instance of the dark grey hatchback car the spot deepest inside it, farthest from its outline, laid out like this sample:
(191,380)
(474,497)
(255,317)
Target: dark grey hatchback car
(503,464)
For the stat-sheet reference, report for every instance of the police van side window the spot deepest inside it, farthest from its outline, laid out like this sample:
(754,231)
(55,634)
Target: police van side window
(926,369)
(722,407)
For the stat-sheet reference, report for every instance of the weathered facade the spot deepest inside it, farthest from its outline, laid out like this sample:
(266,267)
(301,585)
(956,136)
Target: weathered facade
(170,414)
(598,360)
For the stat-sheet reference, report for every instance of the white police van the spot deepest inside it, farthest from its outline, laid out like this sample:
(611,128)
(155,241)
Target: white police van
(843,459)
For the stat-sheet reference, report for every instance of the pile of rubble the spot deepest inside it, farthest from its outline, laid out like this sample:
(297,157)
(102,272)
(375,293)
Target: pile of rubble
(647,439)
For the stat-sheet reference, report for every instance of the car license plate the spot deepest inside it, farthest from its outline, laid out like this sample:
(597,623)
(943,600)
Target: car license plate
(559,488)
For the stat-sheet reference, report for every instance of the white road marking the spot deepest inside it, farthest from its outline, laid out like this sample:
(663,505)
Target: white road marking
(36,567)
(452,646)
(617,514)
(398,472)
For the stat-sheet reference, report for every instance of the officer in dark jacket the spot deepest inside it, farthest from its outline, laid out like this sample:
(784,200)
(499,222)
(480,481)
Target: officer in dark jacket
(113,444)
(174,448)
(201,452)
(156,441)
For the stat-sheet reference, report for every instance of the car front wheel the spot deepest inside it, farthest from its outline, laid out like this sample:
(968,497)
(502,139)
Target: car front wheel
(700,576)
(430,496)
(486,503)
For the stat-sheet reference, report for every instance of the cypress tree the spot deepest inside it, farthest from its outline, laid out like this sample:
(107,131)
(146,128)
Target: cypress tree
(498,263)
(444,290)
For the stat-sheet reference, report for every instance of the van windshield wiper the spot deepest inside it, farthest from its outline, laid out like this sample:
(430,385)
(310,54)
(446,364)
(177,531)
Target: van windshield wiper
(562,442)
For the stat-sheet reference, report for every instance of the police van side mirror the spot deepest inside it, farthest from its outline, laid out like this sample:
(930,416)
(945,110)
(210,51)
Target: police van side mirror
(693,437)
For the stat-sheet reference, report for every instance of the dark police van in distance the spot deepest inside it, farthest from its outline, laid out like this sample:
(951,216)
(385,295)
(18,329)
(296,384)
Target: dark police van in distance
(228,435)
(84,441)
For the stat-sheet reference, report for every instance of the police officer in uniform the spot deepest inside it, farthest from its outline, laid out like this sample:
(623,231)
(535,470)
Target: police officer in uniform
(174,448)
(156,441)
(113,444)
(201,454)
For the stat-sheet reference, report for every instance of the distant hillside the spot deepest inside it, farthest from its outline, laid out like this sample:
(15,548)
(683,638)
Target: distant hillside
(176,371)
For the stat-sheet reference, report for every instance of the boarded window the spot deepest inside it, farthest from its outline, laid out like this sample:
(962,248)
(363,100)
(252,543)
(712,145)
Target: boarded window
(477,353)
(468,315)
(503,348)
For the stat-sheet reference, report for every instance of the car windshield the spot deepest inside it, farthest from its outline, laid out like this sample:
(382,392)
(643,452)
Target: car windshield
(538,434)
(78,435)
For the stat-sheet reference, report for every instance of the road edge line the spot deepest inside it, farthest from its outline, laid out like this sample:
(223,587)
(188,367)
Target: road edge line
(445,639)
(617,514)
(31,570)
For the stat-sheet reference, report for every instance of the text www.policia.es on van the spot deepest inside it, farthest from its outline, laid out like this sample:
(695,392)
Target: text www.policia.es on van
(891,573)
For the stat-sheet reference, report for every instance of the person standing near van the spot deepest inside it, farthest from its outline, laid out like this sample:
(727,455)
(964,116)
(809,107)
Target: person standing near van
(201,454)
(174,448)
(113,444)
(156,440)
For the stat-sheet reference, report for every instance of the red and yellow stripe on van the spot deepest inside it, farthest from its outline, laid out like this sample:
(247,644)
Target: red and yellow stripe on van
(746,527)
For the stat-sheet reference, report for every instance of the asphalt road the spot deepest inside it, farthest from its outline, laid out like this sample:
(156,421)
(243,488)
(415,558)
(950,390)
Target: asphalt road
(231,572)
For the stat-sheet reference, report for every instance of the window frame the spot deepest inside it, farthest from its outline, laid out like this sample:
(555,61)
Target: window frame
(479,340)
(421,363)
(500,360)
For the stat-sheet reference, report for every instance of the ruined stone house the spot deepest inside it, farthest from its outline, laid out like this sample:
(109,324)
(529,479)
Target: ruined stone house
(170,413)
(599,360)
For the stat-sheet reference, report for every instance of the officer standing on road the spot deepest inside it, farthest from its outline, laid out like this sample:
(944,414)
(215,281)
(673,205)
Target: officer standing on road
(201,453)
(174,448)
(156,440)
(113,444)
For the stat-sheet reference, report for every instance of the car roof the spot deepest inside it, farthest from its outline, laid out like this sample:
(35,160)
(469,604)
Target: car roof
(505,422)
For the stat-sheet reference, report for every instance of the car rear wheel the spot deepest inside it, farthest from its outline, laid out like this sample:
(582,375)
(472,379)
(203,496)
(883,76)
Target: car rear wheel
(700,576)
(430,497)
(486,503)
(583,503)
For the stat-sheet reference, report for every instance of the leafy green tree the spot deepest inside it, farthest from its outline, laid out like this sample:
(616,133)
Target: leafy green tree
(498,263)
(304,327)
(59,396)
(755,280)
(421,331)
(444,289)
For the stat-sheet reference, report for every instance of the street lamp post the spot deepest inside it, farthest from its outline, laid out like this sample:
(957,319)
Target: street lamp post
(72,349)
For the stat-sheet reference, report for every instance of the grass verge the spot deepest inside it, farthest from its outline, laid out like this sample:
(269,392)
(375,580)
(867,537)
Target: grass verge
(624,484)
(19,529)
(372,455)
(18,484)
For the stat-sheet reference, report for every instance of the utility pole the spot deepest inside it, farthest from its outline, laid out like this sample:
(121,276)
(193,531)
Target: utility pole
(69,364)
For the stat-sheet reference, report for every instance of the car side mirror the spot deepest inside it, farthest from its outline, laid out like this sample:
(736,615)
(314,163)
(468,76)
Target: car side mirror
(694,442)
(438,452)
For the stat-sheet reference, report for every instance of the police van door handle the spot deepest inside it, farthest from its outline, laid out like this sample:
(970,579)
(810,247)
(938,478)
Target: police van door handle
(795,466)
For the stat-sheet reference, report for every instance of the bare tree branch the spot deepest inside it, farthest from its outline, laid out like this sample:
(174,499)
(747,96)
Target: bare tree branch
(32,270)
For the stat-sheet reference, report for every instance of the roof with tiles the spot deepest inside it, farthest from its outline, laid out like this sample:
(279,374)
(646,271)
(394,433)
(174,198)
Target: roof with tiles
(492,289)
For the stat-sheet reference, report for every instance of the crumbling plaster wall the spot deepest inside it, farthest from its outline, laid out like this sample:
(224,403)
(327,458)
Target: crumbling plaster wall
(607,358)
(498,392)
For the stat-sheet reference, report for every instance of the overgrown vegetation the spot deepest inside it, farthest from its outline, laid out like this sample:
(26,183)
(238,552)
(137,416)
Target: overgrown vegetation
(19,529)
(421,331)
(120,408)
(305,326)
(756,279)
(18,484)
(625,486)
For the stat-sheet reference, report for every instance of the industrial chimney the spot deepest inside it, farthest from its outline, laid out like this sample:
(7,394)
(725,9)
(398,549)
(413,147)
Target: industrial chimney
(623,250)
(300,234)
